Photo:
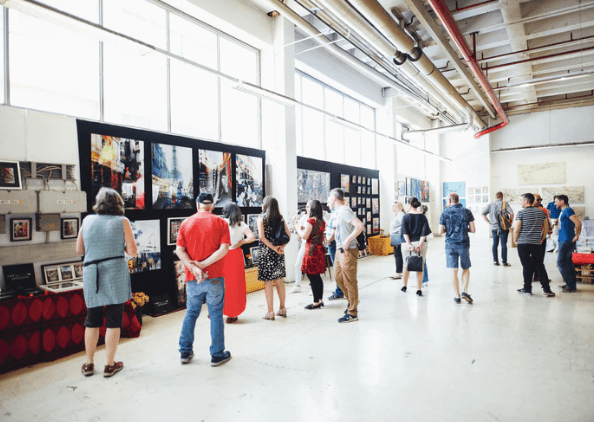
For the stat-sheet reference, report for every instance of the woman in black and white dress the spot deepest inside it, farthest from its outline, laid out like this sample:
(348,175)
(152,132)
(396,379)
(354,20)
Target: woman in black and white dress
(271,264)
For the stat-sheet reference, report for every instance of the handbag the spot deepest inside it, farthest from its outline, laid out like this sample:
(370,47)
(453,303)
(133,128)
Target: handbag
(280,235)
(396,239)
(414,262)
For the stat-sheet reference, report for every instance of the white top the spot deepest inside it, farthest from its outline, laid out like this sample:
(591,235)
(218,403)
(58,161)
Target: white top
(236,232)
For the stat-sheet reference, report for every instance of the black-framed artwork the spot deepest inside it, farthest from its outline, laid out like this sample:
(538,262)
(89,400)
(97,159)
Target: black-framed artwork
(69,227)
(255,252)
(20,229)
(172,177)
(173,225)
(10,175)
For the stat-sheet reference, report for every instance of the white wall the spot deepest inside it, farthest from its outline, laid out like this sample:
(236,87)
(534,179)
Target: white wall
(564,126)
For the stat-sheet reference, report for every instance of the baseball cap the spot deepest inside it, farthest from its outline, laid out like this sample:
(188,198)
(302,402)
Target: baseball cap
(205,198)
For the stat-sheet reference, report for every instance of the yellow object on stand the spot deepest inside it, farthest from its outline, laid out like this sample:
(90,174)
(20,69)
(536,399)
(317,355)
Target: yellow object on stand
(380,245)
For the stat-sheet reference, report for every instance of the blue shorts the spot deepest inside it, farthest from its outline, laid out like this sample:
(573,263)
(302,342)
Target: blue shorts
(458,253)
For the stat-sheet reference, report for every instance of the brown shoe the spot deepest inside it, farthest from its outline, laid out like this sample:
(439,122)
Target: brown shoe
(111,370)
(231,319)
(88,369)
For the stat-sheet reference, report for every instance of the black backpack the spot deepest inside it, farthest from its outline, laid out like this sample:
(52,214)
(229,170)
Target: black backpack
(361,241)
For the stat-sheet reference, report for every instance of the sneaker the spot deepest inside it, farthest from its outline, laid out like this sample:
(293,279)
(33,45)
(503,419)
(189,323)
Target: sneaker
(505,264)
(548,293)
(566,289)
(221,359)
(111,370)
(523,290)
(295,289)
(348,318)
(457,300)
(335,297)
(88,369)
(186,357)
(466,297)
(496,263)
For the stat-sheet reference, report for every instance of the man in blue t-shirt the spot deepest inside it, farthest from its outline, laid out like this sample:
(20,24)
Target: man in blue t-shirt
(570,228)
(456,222)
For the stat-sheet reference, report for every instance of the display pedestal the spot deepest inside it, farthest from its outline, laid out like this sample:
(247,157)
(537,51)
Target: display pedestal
(380,245)
(252,283)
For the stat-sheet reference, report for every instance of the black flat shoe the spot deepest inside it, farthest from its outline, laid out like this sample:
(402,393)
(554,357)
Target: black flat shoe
(419,293)
(312,306)
(403,289)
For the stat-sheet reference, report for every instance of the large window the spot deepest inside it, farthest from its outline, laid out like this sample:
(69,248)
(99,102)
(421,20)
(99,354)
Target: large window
(2,56)
(322,135)
(54,69)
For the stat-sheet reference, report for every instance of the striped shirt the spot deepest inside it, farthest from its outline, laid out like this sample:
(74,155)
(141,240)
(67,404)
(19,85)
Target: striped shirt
(532,219)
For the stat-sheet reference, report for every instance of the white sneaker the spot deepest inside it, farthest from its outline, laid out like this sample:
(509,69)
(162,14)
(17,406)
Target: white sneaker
(296,289)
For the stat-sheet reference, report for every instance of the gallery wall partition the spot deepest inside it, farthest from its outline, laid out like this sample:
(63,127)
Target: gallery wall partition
(156,175)
(315,179)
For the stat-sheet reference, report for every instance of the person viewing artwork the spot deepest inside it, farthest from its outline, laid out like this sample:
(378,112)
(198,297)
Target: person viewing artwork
(299,223)
(235,289)
(103,239)
(396,229)
(492,214)
(271,265)
(415,229)
(202,244)
(570,228)
(314,259)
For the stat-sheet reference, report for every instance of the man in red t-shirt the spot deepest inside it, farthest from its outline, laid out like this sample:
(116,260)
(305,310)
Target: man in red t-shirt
(202,243)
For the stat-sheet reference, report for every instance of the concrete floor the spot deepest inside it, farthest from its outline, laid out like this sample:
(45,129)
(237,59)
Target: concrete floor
(508,357)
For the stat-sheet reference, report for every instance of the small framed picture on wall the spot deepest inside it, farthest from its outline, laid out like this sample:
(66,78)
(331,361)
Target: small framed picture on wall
(20,229)
(69,228)
(10,175)
(173,225)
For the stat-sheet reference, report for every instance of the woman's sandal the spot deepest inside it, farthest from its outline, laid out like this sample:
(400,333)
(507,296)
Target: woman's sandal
(269,316)
(282,312)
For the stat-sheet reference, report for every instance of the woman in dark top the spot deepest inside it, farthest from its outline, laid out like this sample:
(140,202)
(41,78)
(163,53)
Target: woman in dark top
(415,229)
(271,264)
(314,262)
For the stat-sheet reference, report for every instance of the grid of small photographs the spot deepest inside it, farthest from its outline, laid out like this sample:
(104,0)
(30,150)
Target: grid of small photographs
(363,192)
(71,272)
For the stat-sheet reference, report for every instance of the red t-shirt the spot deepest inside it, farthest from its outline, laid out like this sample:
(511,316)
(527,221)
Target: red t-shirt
(201,235)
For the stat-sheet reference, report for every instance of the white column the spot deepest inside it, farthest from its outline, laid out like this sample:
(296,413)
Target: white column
(278,129)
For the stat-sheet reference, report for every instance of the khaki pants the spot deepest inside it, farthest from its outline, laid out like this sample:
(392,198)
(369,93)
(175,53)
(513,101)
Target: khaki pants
(346,277)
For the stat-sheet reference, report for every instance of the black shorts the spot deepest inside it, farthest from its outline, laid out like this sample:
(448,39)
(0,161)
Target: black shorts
(113,316)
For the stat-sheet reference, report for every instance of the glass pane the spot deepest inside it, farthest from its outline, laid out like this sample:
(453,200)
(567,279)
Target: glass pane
(1,58)
(239,117)
(52,69)
(193,42)
(367,117)
(334,142)
(334,102)
(136,18)
(86,9)
(194,102)
(135,88)
(313,93)
(368,150)
(298,87)
(313,133)
(352,147)
(238,61)
(351,110)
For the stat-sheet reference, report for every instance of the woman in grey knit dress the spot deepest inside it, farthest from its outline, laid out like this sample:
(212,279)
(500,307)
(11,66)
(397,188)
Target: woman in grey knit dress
(103,238)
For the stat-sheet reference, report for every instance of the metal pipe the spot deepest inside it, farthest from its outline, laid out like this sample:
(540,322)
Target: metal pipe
(536,59)
(379,18)
(461,9)
(445,129)
(537,49)
(539,103)
(442,11)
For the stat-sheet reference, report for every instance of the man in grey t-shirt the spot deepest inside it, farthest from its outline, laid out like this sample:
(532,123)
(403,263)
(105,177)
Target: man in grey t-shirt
(493,210)
(346,229)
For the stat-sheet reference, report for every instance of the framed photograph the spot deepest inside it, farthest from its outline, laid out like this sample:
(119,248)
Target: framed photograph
(485,189)
(368,202)
(249,175)
(10,175)
(312,185)
(470,191)
(173,225)
(364,220)
(147,234)
(69,228)
(477,191)
(20,229)
(376,225)
(173,177)
(359,179)
(354,179)
(78,270)
(66,272)
(375,205)
(255,252)
(252,222)
(345,183)
(369,229)
(215,176)
(353,202)
(364,181)
(51,274)
(375,186)
(485,199)
(368,215)
(471,199)
(477,199)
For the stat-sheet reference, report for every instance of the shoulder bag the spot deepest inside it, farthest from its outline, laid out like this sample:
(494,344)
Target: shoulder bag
(396,239)
(280,235)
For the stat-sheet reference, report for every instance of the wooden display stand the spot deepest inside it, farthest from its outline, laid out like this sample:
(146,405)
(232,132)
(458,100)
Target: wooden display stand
(380,246)
(585,273)
(252,283)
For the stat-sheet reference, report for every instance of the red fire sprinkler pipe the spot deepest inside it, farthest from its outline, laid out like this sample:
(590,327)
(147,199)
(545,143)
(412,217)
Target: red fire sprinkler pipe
(442,11)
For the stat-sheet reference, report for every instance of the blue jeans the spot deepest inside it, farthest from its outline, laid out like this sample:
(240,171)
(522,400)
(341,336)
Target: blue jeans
(332,252)
(213,289)
(425,276)
(496,238)
(565,264)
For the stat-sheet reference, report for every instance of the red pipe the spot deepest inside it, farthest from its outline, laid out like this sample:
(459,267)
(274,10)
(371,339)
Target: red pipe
(442,11)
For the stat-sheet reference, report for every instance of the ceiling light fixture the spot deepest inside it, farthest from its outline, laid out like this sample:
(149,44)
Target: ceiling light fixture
(264,93)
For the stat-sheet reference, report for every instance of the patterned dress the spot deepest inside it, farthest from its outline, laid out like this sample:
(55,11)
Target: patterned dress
(271,266)
(314,261)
